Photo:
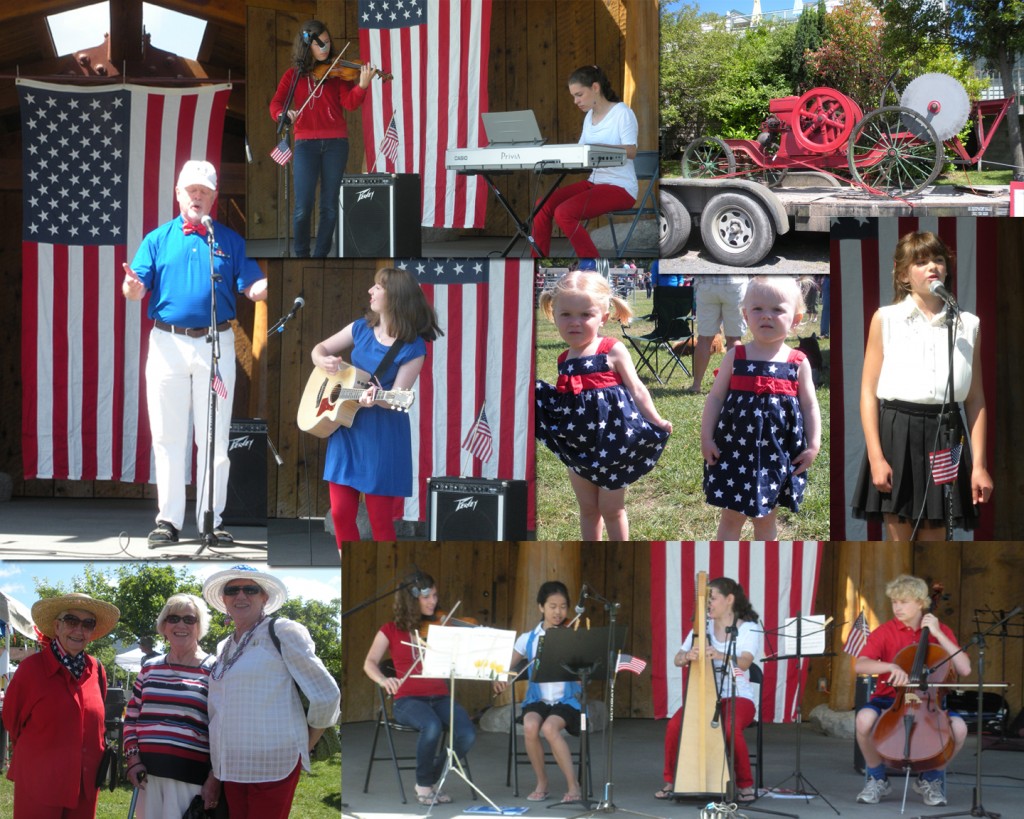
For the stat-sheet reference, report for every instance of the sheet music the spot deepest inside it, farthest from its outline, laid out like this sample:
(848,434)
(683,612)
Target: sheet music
(812,635)
(478,653)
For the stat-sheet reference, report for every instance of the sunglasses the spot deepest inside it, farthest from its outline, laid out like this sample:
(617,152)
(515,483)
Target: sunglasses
(73,622)
(187,619)
(250,591)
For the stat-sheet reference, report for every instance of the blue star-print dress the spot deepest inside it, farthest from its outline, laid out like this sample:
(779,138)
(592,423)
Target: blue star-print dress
(591,422)
(760,431)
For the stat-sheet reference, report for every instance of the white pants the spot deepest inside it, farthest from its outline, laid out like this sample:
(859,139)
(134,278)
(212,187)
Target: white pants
(164,798)
(177,381)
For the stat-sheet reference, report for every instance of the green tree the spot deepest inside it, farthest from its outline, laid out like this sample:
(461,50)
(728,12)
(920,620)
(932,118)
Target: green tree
(809,36)
(852,58)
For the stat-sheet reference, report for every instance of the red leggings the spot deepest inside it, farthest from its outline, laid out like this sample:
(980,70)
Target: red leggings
(744,716)
(262,800)
(382,510)
(569,206)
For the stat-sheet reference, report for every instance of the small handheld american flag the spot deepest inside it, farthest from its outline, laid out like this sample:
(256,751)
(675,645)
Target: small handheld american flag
(282,153)
(218,385)
(479,441)
(858,636)
(627,662)
(389,145)
(945,463)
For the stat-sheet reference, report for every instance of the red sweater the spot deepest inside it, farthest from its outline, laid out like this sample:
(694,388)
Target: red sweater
(324,117)
(57,724)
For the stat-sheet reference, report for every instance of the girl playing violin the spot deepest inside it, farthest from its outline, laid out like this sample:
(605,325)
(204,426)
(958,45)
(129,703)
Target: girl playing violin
(728,606)
(910,604)
(423,704)
(321,137)
(549,707)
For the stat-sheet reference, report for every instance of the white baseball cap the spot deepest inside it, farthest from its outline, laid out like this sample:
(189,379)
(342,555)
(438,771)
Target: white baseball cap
(198,172)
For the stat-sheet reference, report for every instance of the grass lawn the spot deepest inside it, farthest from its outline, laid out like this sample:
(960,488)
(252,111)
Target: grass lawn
(318,795)
(668,503)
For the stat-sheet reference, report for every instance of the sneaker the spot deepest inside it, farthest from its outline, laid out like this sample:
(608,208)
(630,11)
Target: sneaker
(164,533)
(874,790)
(224,536)
(931,791)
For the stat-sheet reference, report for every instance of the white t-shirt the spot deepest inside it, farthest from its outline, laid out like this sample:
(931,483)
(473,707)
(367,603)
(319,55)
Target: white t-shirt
(748,641)
(618,127)
(915,350)
(549,692)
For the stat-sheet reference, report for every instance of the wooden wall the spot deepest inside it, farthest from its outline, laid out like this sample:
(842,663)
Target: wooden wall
(1007,468)
(535,46)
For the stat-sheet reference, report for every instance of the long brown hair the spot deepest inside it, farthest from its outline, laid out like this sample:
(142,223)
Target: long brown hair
(302,56)
(407,600)
(409,313)
(913,247)
(741,606)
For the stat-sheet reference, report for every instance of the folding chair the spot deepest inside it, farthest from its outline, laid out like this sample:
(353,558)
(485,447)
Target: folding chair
(646,165)
(757,758)
(673,322)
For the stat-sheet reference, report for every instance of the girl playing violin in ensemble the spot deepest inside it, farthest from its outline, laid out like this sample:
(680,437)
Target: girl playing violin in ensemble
(321,137)
(549,707)
(728,606)
(910,604)
(423,704)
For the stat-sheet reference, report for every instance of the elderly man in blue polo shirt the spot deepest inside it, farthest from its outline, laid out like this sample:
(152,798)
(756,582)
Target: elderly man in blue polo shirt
(172,264)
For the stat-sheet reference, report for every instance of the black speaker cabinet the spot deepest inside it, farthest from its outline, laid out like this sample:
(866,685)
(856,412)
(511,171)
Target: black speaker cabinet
(379,216)
(247,481)
(476,509)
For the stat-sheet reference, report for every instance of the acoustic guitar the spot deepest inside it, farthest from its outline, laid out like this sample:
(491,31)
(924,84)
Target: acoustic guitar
(331,400)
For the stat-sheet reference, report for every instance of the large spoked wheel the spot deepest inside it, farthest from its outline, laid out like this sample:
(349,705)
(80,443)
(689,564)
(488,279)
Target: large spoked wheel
(708,157)
(736,230)
(895,149)
(823,120)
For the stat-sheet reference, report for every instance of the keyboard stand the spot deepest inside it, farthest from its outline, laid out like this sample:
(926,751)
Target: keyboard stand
(523,228)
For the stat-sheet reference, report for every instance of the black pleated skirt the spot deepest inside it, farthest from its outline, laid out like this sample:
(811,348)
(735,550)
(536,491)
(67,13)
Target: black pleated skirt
(907,432)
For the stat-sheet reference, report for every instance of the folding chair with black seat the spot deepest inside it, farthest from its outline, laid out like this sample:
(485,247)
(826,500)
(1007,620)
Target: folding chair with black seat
(673,322)
(517,757)
(646,165)
(389,724)
(757,758)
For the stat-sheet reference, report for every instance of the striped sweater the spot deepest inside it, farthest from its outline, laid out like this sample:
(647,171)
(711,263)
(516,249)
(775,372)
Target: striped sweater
(166,719)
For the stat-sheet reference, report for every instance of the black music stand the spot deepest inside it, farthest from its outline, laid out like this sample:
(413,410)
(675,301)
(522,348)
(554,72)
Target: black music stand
(977,808)
(801,784)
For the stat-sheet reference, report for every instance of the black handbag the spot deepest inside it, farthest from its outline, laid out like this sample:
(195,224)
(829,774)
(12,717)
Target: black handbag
(197,811)
(107,769)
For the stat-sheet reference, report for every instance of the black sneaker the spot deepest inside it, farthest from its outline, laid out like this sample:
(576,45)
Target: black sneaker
(224,536)
(164,533)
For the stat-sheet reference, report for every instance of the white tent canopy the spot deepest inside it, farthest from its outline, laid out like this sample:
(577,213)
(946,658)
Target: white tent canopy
(17,615)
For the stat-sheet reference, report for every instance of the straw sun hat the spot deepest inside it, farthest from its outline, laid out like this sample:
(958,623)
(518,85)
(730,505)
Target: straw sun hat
(46,611)
(213,588)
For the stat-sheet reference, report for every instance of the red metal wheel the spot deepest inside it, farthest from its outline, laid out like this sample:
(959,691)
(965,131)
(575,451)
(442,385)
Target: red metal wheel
(823,120)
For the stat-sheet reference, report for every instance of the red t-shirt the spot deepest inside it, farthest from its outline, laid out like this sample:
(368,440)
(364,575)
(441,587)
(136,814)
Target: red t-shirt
(884,644)
(402,656)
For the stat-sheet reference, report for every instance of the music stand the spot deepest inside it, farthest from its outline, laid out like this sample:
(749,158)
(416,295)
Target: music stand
(798,650)
(455,653)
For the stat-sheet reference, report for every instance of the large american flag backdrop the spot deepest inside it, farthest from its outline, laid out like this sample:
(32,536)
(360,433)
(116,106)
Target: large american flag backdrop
(99,166)
(484,359)
(861,269)
(437,51)
(780,579)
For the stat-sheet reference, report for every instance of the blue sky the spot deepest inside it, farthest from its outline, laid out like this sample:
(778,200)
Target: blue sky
(742,6)
(85,27)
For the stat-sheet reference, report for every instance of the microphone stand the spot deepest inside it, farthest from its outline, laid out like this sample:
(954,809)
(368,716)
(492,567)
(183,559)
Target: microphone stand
(208,538)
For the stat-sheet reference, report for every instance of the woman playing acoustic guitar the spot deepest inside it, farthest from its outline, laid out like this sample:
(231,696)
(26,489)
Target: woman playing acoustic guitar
(374,455)
(910,603)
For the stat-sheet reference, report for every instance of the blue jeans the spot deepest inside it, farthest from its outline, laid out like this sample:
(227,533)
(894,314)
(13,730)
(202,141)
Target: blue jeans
(429,715)
(826,304)
(323,160)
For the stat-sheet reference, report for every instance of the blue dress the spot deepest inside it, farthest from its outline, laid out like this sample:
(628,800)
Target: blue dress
(591,422)
(374,455)
(759,432)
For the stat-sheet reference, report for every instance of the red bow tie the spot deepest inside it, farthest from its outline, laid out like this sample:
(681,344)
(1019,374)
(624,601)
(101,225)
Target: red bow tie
(188,227)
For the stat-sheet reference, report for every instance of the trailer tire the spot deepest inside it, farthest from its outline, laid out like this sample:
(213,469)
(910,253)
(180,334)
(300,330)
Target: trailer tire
(736,230)
(676,224)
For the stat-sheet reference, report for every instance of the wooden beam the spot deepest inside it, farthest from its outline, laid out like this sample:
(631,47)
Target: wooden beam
(39,8)
(124,42)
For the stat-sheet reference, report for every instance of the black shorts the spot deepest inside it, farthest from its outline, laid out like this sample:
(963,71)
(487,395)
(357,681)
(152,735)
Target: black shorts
(559,709)
(881,704)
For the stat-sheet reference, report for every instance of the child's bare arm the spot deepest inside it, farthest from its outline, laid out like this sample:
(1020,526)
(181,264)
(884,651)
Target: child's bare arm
(812,418)
(620,359)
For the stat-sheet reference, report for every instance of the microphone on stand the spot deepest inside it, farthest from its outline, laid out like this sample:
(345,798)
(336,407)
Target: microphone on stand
(207,223)
(580,608)
(281,322)
(937,288)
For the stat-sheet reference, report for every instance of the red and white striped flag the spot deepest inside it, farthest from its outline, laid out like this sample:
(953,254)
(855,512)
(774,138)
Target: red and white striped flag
(485,357)
(282,153)
(945,464)
(389,145)
(437,51)
(627,662)
(83,347)
(861,267)
(780,579)
(218,385)
(479,440)
(858,636)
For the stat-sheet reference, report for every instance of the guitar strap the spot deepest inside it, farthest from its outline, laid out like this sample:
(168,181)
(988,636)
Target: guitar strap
(385,362)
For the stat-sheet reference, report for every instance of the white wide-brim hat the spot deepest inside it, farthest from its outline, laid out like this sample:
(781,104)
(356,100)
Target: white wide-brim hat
(198,172)
(46,611)
(213,588)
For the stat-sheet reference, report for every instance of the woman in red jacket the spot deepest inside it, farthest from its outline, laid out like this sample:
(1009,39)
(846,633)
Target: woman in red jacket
(321,137)
(54,711)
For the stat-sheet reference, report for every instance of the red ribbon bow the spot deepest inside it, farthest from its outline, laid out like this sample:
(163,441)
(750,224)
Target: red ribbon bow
(188,228)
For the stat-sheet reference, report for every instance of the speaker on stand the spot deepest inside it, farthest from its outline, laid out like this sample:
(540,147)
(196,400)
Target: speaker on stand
(379,216)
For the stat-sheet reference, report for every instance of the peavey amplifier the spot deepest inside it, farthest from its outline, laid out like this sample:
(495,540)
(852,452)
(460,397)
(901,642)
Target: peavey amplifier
(247,481)
(476,509)
(379,216)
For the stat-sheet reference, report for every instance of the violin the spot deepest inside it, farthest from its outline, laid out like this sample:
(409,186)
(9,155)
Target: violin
(346,70)
(444,618)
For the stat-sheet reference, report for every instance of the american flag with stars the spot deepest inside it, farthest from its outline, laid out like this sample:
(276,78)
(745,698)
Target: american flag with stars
(217,384)
(389,145)
(484,358)
(945,464)
(858,636)
(99,166)
(438,52)
(479,440)
(627,662)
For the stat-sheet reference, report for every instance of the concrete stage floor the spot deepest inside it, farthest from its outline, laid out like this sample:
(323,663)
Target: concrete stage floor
(826,762)
(105,529)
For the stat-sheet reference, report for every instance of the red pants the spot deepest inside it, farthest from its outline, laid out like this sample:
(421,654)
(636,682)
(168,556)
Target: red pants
(744,716)
(262,800)
(26,806)
(382,510)
(569,206)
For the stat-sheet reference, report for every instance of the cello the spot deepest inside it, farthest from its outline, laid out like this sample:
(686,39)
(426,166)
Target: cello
(702,766)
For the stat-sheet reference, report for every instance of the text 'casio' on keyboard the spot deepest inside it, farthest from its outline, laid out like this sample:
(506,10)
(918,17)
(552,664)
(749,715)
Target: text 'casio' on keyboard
(533,157)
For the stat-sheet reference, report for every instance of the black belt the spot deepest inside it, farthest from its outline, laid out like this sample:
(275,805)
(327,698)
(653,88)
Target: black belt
(911,408)
(191,332)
